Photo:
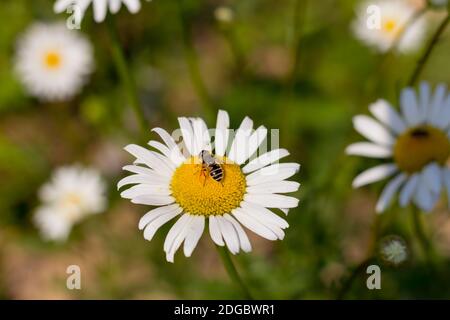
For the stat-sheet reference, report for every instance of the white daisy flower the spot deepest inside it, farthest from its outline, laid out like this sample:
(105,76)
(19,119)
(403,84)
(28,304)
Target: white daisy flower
(72,193)
(52,62)
(416,140)
(240,194)
(380,24)
(100,7)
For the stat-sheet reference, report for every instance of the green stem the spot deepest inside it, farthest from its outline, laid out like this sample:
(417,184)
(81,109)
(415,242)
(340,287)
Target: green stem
(427,53)
(422,237)
(360,268)
(124,72)
(193,64)
(232,272)
(298,20)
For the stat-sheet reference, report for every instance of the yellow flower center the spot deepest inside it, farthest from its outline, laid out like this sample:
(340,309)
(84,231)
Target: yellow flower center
(199,194)
(72,199)
(52,60)
(420,146)
(391,26)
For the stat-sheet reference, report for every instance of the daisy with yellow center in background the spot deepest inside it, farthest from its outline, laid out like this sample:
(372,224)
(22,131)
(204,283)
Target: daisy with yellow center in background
(72,193)
(52,62)
(100,7)
(417,142)
(388,24)
(211,181)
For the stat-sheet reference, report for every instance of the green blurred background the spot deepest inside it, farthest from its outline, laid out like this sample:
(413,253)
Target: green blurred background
(290,64)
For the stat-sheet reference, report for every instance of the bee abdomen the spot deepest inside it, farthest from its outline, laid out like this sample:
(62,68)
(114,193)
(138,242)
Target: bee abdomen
(216,172)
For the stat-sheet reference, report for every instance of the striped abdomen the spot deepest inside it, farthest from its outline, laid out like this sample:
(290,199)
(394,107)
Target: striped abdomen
(216,172)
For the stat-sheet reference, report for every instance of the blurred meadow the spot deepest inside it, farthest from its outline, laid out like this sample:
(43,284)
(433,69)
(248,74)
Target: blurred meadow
(292,65)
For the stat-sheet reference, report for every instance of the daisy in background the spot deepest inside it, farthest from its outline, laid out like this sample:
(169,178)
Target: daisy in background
(382,24)
(100,7)
(73,193)
(52,62)
(416,142)
(187,185)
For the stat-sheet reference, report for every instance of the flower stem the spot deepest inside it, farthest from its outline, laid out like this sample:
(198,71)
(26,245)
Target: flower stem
(427,53)
(123,70)
(422,237)
(360,268)
(232,272)
(193,64)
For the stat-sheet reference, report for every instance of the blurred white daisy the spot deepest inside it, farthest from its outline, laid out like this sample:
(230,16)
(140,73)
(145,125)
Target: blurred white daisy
(181,186)
(438,3)
(417,142)
(393,250)
(53,62)
(100,7)
(381,24)
(72,193)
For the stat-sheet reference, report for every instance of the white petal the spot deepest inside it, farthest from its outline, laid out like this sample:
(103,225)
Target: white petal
(272,200)
(389,191)
(265,213)
(432,177)
(153,200)
(408,190)
(202,134)
(437,103)
(188,136)
(133,5)
(424,98)
(222,133)
(156,223)
(61,5)
(194,233)
(100,8)
(175,230)
(423,197)
(239,147)
(145,189)
(443,120)
(229,234)
(114,6)
(150,159)
(274,187)
(144,179)
(373,130)
(409,106)
(254,225)
(374,174)
(387,115)
(155,213)
(243,239)
(214,231)
(275,172)
(368,149)
(255,140)
(265,159)
(172,243)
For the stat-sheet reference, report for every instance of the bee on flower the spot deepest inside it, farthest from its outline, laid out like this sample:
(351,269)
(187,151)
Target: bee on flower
(416,143)
(211,181)
(72,193)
